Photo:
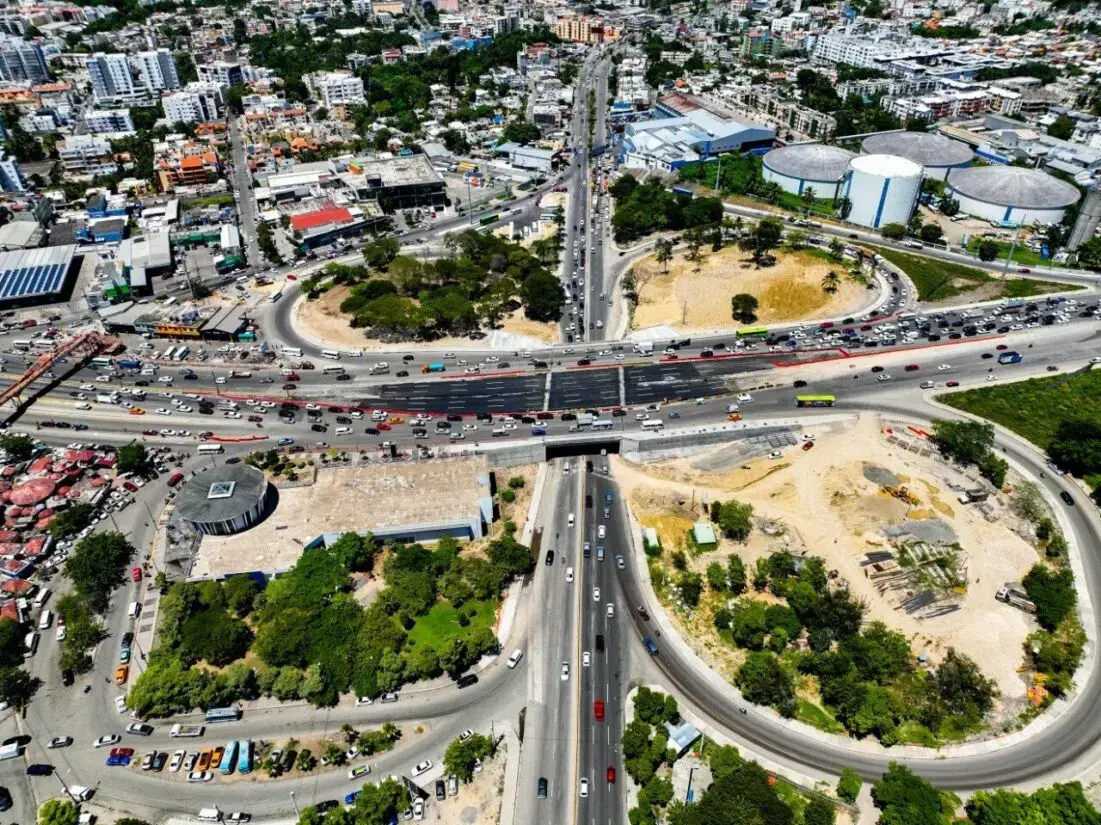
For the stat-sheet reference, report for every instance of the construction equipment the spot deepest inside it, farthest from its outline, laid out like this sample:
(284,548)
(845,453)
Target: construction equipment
(80,348)
(902,494)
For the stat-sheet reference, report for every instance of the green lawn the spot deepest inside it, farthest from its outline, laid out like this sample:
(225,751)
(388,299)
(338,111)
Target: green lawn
(1036,407)
(439,624)
(912,733)
(1022,255)
(811,714)
(937,280)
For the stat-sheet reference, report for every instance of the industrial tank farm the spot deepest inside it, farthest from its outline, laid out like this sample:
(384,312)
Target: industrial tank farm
(882,189)
(808,165)
(936,154)
(1011,195)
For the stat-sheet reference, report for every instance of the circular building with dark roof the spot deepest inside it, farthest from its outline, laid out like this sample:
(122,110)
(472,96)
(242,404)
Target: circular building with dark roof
(803,166)
(1011,195)
(936,154)
(226,499)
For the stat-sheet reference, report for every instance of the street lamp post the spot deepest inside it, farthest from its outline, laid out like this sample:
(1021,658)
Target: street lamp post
(294,802)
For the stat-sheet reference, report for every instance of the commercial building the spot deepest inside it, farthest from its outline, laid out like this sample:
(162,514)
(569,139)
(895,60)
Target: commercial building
(394,183)
(407,501)
(1011,195)
(146,256)
(22,61)
(321,226)
(528,157)
(225,499)
(86,155)
(220,73)
(37,276)
(109,121)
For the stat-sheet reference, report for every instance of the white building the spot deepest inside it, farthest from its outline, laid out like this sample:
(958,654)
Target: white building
(872,51)
(198,103)
(158,70)
(109,121)
(11,176)
(221,73)
(121,78)
(339,89)
(86,155)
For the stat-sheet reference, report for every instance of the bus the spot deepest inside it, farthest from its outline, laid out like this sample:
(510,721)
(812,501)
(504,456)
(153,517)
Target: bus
(20,346)
(207,449)
(276,296)
(653,424)
(244,757)
(752,332)
(487,220)
(601,424)
(292,352)
(229,758)
(181,354)
(168,353)
(42,344)
(101,362)
(215,715)
(331,354)
(332,370)
(814,400)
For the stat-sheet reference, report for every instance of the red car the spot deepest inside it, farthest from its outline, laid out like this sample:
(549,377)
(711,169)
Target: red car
(611,775)
(952,383)
(148,432)
(135,574)
(255,418)
(291,276)
(1001,346)
(175,479)
(912,368)
(598,710)
(131,486)
(384,426)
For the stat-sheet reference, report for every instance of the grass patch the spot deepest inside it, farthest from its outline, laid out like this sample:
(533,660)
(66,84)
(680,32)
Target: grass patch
(813,715)
(913,733)
(1034,408)
(1022,255)
(441,623)
(225,199)
(937,280)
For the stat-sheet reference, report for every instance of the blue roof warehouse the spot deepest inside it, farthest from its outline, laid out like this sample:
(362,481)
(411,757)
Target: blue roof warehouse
(38,276)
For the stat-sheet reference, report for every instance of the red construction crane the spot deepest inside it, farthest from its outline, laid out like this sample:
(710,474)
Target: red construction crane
(81,347)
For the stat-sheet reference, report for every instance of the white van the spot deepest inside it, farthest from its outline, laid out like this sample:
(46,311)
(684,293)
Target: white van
(210,815)
(42,597)
(46,619)
(566,469)
(569,521)
(515,658)
(134,611)
(30,642)
(343,430)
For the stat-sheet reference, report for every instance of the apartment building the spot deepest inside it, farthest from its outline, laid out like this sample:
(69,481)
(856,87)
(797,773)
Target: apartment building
(22,61)
(220,73)
(122,78)
(338,89)
(198,103)
(86,155)
(109,121)
(11,176)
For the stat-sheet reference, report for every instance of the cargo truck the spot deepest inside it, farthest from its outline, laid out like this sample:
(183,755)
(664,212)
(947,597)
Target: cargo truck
(433,368)
(644,348)
(107,398)
(186,731)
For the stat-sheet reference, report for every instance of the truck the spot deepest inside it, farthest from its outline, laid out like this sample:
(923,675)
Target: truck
(107,398)
(1010,357)
(240,374)
(644,347)
(186,731)
(585,419)
(1013,594)
(12,751)
(381,368)
(681,190)
(435,367)
(130,363)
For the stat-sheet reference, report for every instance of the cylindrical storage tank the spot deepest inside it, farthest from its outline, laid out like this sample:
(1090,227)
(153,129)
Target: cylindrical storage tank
(882,189)
(936,154)
(1011,195)
(803,166)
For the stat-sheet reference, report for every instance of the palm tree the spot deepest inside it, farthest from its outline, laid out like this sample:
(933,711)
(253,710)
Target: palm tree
(664,252)
(831,281)
(808,197)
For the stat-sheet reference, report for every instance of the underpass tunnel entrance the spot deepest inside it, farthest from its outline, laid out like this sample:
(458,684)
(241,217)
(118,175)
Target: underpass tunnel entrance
(575,448)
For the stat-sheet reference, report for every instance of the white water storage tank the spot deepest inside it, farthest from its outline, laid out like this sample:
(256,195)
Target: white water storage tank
(882,189)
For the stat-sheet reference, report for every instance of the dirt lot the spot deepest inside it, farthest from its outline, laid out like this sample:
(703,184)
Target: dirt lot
(691,301)
(322,321)
(478,803)
(822,503)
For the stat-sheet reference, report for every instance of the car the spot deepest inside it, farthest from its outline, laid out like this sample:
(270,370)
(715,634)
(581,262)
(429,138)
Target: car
(541,788)
(107,739)
(610,775)
(883,377)
(569,575)
(596,594)
(598,710)
(1066,497)
(326,805)
(466,681)
(177,760)
(422,767)
(147,761)
(135,574)
(586,659)
(60,742)
(583,788)
(120,704)
(239,816)
(139,729)
(358,771)
(441,790)
(877,369)
(610,610)
(987,355)
(565,671)
(418,809)
(466,734)
(943,367)
(352,797)
(40,769)
(620,562)
(643,613)
(951,383)
(200,776)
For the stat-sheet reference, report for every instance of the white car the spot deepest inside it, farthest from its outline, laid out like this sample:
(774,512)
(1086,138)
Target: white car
(611,610)
(569,575)
(163,411)
(313,408)
(470,426)
(363,701)
(943,367)
(584,788)
(185,408)
(596,594)
(418,809)
(60,742)
(776,454)
(883,377)
(745,398)
(601,532)
(177,760)
(422,767)
(466,734)
(565,671)
(200,776)
(107,740)
(586,659)
(165,379)
(120,704)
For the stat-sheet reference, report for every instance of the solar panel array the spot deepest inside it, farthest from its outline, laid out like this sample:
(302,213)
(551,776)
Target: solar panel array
(32,280)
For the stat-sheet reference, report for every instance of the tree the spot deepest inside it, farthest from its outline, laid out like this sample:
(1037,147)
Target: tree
(691,587)
(240,593)
(993,468)
(70,521)
(1057,805)
(736,520)
(131,457)
(763,681)
(694,242)
(58,812)
(663,252)
(988,250)
(96,566)
(1052,592)
(765,237)
(1076,446)
(964,441)
(837,249)
(19,447)
(931,233)
(543,297)
(735,574)
(460,755)
(848,786)
(907,799)
(520,131)
(893,231)
(716,577)
(1089,254)
(949,206)
(808,197)
(819,812)
(1062,128)
(743,308)
(830,282)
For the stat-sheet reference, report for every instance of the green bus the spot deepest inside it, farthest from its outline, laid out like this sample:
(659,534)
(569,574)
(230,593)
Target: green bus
(753,332)
(488,219)
(814,400)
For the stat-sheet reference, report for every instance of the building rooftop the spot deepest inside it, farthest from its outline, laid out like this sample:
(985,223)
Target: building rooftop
(401,171)
(31,272)
(150,251)
(1013,186)
(926,148)
(810,161)
(221,493)
(372,497)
